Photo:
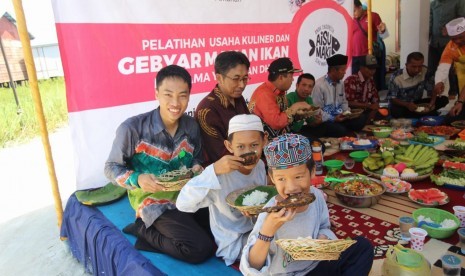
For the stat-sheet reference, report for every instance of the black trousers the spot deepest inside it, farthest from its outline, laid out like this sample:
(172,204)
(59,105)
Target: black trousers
(402,112)
(461,116)
(356,260)
(177,234)
(335,129)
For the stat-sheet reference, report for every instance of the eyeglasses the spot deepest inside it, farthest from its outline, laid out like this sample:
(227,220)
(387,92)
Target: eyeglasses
(245,80)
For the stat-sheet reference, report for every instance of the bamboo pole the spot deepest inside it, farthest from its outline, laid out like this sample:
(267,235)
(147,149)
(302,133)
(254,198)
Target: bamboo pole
(32,75)
(370,29)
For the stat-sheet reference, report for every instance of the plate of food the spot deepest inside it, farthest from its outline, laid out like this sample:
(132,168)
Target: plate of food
(175,180)
(423,108)
(444,131)
(395,185)
(353,113)
(319,182)
(458,124)
(359,191)
(457,145)
(363,144)
(428,197)
(381,123)
(426,140)
(431,120)
(307,112)
(251,199)
(400,135)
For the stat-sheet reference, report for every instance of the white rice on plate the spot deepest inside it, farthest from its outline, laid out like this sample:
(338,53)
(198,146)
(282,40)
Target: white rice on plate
(255,198)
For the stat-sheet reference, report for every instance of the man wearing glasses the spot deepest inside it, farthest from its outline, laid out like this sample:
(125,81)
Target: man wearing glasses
(269,101)
(224,102)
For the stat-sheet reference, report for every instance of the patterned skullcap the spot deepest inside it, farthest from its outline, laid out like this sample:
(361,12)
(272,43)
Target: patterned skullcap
(287,151)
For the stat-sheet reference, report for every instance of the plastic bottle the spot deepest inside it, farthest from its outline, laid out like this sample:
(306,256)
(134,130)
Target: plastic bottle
(317,157)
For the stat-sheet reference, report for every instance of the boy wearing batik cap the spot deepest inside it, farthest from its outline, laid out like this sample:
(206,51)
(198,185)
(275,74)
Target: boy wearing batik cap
(291,167)
(232,172)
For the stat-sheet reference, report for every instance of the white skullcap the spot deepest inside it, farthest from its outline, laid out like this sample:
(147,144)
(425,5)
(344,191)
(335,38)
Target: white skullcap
(456,26)
(245,122)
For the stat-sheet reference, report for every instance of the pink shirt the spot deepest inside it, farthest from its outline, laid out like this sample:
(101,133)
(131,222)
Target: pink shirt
(359,39)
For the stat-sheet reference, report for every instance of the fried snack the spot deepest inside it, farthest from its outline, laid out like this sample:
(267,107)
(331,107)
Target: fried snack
(292,201)
(250,158)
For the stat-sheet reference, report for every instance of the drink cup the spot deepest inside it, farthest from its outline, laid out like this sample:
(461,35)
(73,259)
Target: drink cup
(417,238)
(349,163)
(361,135)
(451,265)
(459,211)
(405,223)
(461,233)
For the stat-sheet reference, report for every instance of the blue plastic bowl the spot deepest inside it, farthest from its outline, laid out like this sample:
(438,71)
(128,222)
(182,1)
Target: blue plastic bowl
(432,120)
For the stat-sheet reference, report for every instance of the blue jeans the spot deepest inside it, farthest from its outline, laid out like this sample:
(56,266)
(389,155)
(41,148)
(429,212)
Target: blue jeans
(356,260)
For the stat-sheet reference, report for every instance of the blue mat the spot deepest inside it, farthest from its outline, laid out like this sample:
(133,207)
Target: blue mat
(96,240)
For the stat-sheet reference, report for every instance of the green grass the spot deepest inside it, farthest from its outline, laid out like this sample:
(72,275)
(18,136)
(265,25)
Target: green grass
(19,128)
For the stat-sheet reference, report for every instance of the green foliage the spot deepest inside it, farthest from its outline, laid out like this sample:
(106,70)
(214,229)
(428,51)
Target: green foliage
(17,128)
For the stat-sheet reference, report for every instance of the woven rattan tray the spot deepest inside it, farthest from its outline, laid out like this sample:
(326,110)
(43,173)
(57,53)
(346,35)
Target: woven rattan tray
(306,249)
(354,113)
(175,180)
(409,179)
(231,200)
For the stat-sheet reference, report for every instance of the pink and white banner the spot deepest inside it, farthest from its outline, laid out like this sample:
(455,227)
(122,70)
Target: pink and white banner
(111,51)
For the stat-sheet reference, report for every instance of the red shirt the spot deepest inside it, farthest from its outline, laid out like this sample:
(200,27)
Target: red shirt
(358,89)
(359,39)
(269,103)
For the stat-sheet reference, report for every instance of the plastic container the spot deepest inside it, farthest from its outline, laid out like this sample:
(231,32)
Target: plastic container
(333,165)
(437,216)
(317,156)
(451,265)
(359,155)
(382,132)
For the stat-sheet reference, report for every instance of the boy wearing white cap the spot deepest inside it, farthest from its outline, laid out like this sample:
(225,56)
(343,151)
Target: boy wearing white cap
(230,173)
(291,167)
(454,53)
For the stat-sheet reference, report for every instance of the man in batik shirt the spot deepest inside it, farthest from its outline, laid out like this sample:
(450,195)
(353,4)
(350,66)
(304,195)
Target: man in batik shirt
(224,102)
(151,144)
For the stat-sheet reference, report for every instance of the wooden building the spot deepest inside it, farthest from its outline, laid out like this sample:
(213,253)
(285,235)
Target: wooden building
(12,51)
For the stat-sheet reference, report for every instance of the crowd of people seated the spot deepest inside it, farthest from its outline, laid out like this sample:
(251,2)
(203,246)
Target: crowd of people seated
(195,222)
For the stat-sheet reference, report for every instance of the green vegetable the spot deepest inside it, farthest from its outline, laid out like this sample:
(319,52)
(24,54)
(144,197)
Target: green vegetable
(423,138)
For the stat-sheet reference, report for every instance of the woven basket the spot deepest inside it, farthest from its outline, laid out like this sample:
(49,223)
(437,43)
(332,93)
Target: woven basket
(175,180)
(408,179)
(231,199)
(307,112)
(426,106)
(354,113)
(306,249)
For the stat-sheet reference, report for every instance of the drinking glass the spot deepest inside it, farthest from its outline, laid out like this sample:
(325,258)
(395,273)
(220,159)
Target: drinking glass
(349,163)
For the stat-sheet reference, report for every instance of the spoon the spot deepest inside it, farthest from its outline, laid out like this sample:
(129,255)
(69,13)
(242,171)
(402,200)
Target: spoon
(430,224)
(329,179)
